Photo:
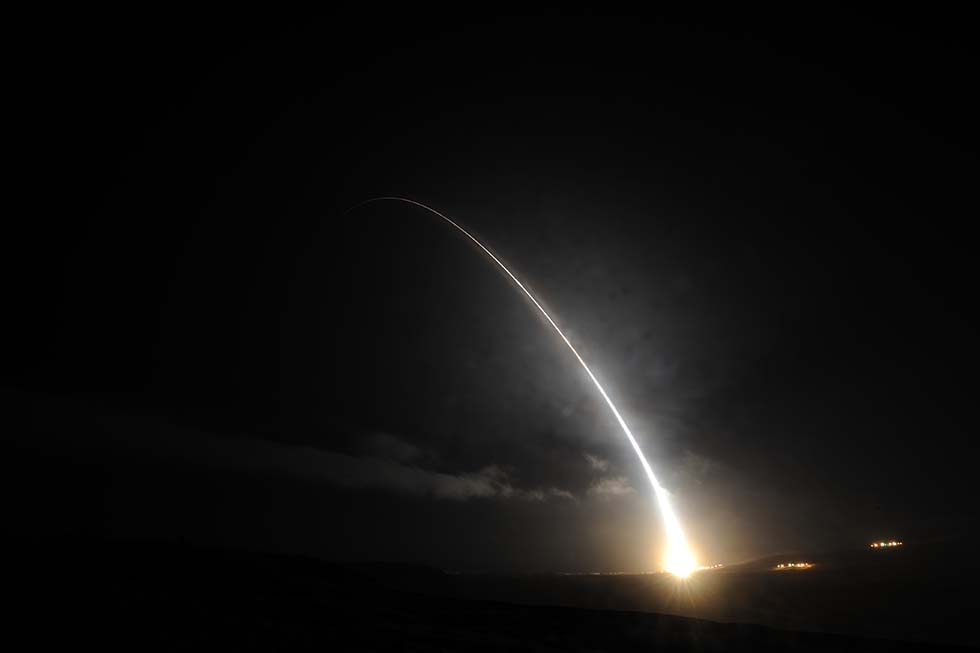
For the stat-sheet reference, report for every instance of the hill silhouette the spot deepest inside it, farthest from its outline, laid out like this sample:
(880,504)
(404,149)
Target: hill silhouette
(159,595)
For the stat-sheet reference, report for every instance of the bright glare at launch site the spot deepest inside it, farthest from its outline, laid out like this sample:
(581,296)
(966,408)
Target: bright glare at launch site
(678,559)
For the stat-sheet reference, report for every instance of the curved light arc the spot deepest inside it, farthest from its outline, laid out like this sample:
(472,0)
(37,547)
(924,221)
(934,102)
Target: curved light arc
(678,560)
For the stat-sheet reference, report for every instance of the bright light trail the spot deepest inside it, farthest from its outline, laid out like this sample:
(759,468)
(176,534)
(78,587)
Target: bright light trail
(678,558)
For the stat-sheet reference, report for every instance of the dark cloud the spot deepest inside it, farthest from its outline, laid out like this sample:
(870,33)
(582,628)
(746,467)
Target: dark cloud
(389,467)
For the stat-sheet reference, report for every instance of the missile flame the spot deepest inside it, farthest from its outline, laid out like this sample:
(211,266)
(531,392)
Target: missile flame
(678,558)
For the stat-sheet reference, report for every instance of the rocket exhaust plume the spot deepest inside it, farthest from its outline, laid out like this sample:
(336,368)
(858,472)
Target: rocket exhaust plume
(678,558)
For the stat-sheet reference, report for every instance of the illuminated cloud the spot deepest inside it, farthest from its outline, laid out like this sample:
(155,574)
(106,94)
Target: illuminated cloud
(383,462)
(491,481)
(369,472)
(597,463)
(611,487)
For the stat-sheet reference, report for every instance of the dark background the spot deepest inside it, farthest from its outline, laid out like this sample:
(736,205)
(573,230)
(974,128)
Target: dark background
(757,228)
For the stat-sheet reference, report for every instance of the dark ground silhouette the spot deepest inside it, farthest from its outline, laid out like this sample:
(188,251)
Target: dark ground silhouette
(139,595)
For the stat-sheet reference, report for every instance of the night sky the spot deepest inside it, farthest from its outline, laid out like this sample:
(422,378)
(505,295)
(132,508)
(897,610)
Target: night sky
(756,229)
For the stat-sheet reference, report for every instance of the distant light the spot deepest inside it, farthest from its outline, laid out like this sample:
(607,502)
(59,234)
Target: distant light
(793,565)
(882,545)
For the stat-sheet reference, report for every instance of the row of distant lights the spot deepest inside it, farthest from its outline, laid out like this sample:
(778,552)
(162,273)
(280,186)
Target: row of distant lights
(794,565)
(782,565)
(807,565)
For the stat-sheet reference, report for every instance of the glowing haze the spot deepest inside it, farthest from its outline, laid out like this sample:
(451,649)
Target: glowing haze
(678,558)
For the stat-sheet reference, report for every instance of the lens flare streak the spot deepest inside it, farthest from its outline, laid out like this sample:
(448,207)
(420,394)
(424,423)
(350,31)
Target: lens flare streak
(678,558)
